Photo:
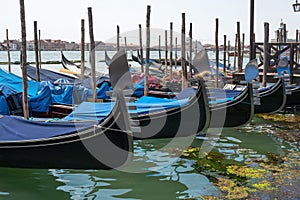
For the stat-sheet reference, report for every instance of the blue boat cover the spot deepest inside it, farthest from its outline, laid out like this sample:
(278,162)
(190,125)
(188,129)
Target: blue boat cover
(4,110)
(148,104)
(90,111)
(45,93)
(14,128)
(47,75)
(14,81)
(12,84)
(98,111)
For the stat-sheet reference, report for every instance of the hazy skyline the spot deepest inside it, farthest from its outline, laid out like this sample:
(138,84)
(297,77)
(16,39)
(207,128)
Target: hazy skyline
(61,19)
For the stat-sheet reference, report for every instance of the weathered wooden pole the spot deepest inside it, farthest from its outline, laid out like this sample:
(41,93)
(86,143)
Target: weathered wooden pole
(176,49)
(217,53)
(297,40)
(228,51)
(171,50)
(125,42)
(146,84)
(252,41)
(183,54)
(159,49)
(240,62)
(40,51)
(118,38)
(191,49)
(166,52)
(92,53)
(82,66)
(284,33)
(36,50)
(23,61)
(141,48)
(224,54)
(234,54)
(266,54)
(292,54)
(278,36)
(8,51)
(243,48)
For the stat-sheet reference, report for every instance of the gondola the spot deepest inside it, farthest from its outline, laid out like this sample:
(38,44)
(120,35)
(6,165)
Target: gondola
(75,69)
(68,64)
(272,99)
(187,120)
(72,145)
(293,99)
(234,111)
(47,75)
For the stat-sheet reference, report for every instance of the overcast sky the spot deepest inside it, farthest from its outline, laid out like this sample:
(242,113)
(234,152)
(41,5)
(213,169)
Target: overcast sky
(60,19)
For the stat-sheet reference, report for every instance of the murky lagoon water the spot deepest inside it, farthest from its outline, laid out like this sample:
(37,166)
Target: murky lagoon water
(155,174)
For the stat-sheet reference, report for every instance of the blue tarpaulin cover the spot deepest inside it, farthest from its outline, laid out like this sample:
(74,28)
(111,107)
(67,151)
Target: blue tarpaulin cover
(148,104)
(43,94)
(16,128)
(98,111)
(91,111)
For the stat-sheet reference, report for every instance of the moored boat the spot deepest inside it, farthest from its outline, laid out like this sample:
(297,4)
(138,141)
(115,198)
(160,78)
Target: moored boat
(74,145)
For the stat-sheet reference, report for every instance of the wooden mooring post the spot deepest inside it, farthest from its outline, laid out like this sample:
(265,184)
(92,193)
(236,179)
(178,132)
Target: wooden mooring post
(92,53)
(266,54)
(8,51)
(217,53)
(118,38)
(40,49)
(224,54)
(239,46)
(171,50)
(191,49)
(146,84)
(141,48)
(166,52)
(82,66)
(235,51)
(159,49)
(23,61)
(176,49)
(36,50)
(183,55)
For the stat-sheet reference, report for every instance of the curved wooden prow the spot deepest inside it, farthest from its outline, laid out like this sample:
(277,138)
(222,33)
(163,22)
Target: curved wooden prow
(119,73)
(107,59)
(120,79)
(65,62)
(201,62)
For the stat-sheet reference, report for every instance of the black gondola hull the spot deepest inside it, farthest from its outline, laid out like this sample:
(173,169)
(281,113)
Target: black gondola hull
(179,122)
(233,113)
(273,99)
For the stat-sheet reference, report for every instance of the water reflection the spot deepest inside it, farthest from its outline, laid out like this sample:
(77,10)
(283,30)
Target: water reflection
(165,177)
(160,172)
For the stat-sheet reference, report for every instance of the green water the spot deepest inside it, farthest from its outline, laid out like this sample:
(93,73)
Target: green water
(156,173)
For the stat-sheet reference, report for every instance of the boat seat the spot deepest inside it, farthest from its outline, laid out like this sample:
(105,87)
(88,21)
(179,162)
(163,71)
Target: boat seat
(14,102)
